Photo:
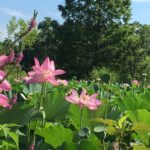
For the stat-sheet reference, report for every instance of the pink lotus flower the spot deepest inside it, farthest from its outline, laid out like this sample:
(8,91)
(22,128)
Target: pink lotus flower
(83,100)
(4,101)
(4,85)
(31,147)
(135,82)
(64,82)
(32,24)
(14,99)
(43,73)
(3,60)
(11,57)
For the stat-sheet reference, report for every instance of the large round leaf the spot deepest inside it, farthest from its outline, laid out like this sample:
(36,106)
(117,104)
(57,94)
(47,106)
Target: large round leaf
(19,114)
(55,135)
(55,105)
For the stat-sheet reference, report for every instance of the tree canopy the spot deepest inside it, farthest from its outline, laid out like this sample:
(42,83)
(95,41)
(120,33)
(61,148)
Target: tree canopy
(94,34)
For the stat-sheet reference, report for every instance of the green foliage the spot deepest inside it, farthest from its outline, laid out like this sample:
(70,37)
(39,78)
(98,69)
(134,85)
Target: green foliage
(55,135)
(18,27)
(137,115)
(139,147)
(146,70)
(118,121)
(141,121)
(12,26)
(15,73)
(94,34)
(133,53)
(140,126)
(10,139)
(18,36)
(97,73)
(55,105)
(26,113)
(87,37)
(68,146)
(74,115)
(88,145)
(132,102)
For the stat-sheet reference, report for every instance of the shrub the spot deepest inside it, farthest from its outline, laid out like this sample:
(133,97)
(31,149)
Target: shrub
(99,73)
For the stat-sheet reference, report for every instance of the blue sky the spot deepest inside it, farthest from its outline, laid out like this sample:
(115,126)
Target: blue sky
(24,9)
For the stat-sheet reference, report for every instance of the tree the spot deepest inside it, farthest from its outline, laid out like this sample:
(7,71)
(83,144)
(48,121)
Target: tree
(18,36)
(87,31)
(48,41)
(132,50)
(46,44)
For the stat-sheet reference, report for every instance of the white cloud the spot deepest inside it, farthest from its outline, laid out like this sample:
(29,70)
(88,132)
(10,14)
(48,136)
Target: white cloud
(12,12)
(141,1)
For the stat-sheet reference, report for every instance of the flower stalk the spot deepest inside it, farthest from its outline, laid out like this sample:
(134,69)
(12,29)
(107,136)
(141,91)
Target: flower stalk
(40,104)
(81,114)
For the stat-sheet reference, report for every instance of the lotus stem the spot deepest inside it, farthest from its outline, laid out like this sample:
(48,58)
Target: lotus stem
(81,114)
